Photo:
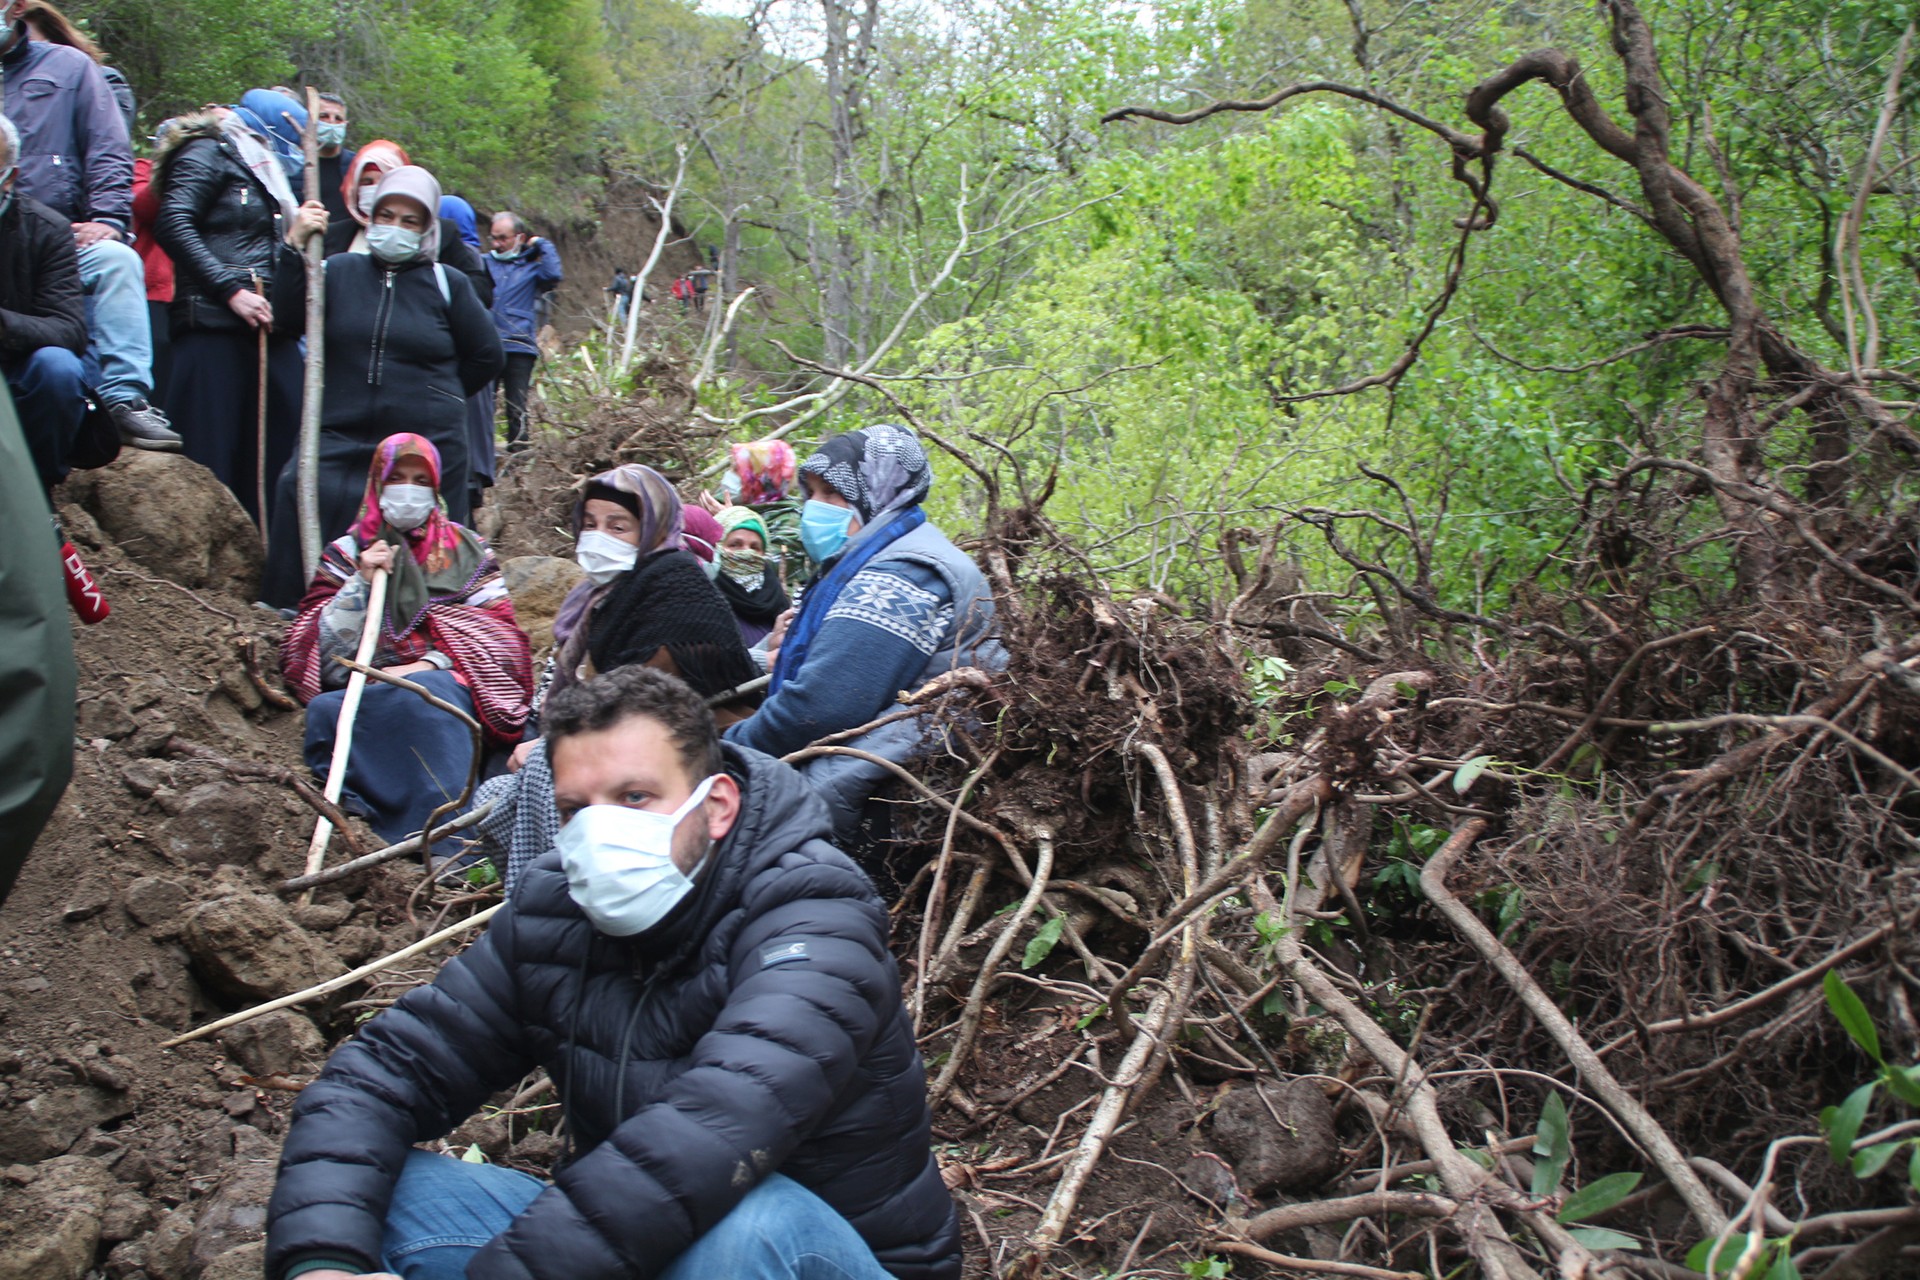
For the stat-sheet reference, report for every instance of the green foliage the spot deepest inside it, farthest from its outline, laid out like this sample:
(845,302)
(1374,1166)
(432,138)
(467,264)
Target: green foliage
(1207,1268)
(1553,1144)
(1041,945)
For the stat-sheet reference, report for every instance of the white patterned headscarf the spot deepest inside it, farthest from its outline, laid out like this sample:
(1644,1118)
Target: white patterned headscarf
(879,469)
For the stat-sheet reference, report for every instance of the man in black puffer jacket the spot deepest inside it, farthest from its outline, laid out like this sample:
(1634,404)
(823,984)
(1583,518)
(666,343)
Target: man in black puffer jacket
(708,982)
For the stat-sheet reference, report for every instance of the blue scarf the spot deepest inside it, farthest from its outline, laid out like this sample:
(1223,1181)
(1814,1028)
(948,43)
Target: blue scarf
(821,594)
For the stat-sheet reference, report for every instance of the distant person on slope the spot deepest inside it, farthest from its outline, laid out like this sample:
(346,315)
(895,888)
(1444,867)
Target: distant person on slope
(646,600)
(448,626)
(892,604)
(525,269)
(335,158)
(406,343)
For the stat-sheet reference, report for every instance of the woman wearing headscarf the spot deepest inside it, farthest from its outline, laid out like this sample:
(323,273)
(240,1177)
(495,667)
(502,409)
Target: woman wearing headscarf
(892,604)
(647,600)
(749,578)
(360,189)
(448,626)
(406,343)
(224,203)
(482,447)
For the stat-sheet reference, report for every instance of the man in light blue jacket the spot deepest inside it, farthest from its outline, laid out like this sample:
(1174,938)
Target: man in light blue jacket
(525,268)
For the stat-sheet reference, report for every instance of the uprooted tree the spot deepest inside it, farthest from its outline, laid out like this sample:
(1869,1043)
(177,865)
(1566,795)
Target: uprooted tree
(1574,914)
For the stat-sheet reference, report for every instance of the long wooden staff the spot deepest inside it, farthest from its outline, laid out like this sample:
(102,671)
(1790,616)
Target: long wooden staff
(349,708)
(307,469)
(260,439)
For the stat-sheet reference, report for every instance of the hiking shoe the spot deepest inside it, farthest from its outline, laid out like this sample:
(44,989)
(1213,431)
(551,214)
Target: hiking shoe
(144,427)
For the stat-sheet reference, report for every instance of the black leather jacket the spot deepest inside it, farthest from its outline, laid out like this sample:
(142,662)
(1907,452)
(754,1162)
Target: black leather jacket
(220,226)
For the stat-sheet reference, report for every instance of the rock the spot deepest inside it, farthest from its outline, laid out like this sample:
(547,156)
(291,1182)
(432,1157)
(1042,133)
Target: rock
(143,778)
(128,1215)
(170,1247)
(88,901)
(538,1148)
(155,900)
(104,716)
(538,584)
(248,1262)
(234,1215)
(322,917)
(1209,1178)
(128,1261)
(276,1044)
(45,1126)
(216,823)
(50,1229)
(173,517)
(357,943)
(1278,1137)
(248,946)
(489,1133)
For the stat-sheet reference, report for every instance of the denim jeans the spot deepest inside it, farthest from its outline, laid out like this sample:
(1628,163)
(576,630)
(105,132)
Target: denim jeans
(47,394)
(119,331)
(444,1210)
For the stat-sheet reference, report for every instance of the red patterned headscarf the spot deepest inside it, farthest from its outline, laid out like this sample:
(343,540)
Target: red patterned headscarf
(435,542)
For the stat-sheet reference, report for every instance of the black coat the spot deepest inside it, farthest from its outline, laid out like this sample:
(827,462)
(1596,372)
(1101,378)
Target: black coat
(41,303)
(455,253)
(220,226)
(399,356)
(738,1064)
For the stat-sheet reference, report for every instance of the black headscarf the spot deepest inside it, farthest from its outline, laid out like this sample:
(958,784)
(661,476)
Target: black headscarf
(667,602)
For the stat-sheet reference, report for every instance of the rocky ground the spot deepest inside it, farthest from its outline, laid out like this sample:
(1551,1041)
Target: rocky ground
(153,905)
(149,908)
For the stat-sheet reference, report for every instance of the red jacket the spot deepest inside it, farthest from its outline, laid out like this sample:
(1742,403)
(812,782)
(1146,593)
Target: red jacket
(146,207)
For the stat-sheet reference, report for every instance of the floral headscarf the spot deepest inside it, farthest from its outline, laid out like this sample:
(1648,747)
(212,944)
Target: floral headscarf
(445,557)
(879,469)
(765,469)
(382,157)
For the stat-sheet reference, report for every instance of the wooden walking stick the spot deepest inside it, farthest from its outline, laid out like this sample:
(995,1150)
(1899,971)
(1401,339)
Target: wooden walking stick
(260,438)
(307,468)
(349,708)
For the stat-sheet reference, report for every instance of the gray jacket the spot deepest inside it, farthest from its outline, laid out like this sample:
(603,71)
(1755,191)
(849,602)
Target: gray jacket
(74,153)
(845,782)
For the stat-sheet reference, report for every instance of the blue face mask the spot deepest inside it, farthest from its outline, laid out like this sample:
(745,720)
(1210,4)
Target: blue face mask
(823,529)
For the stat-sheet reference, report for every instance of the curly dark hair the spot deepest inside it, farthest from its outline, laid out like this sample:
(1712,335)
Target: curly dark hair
(606,700)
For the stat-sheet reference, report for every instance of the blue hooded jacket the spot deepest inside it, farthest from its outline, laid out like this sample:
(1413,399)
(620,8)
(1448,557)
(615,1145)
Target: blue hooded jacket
(456,210)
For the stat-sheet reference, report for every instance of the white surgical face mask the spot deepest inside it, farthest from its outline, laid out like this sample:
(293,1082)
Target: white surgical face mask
(604,556)
(392,243)
(406,506)
(619,864)
(365,198)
